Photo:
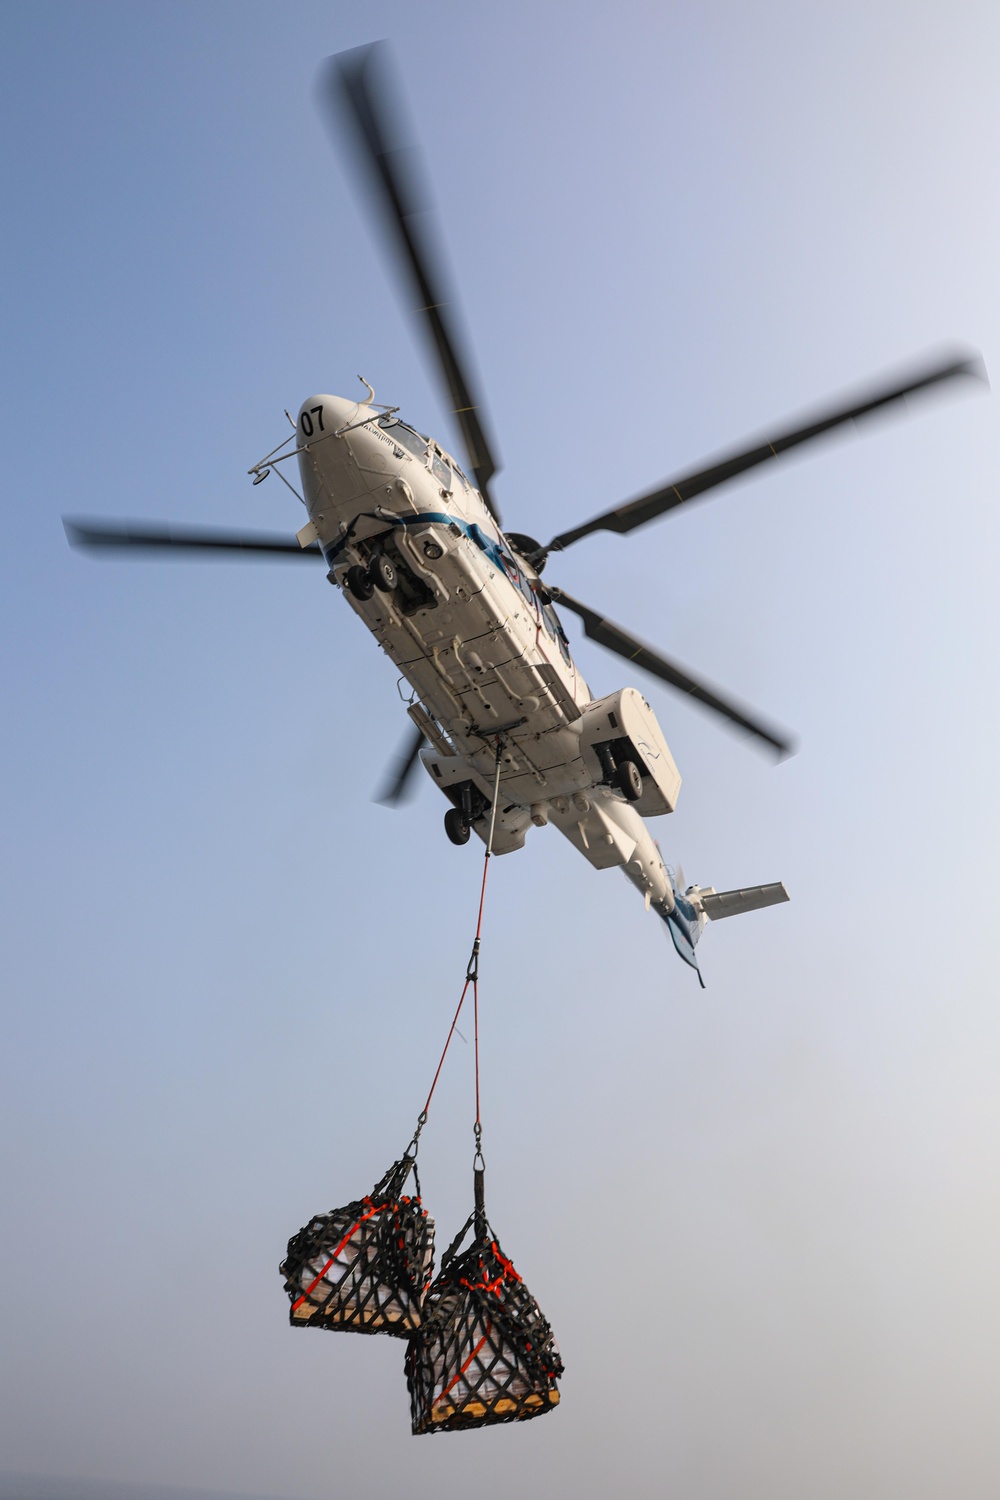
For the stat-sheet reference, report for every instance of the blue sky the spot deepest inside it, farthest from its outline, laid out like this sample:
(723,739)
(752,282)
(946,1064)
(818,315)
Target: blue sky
(763,1219)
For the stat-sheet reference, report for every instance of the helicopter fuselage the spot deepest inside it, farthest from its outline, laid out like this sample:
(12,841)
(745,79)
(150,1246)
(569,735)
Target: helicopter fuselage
(461,615)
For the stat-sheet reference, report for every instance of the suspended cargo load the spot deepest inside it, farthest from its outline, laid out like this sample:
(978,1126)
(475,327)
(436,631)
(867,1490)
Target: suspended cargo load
(364,1268)
(484,1353)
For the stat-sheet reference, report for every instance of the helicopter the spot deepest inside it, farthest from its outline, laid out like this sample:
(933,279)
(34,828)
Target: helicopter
(502,719)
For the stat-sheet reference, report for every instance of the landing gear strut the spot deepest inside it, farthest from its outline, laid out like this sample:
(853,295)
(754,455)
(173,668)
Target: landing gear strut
(471,806)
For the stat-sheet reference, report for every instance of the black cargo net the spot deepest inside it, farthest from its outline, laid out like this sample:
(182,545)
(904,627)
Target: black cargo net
(484,1352)
(364,1268)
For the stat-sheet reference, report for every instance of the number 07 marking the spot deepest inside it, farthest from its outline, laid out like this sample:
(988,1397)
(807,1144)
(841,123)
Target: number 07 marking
(306,421)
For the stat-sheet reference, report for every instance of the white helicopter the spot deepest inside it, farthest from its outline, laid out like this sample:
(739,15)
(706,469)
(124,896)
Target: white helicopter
(500,712)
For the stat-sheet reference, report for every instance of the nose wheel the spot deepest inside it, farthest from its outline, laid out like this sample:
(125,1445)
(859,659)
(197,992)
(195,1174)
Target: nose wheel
(359,583)
(380,574)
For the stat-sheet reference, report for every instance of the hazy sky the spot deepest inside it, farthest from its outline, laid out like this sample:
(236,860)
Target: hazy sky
(764,1220)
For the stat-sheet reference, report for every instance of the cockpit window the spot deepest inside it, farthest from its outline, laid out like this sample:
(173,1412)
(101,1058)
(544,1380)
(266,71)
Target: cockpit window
(442,473)
(404,436)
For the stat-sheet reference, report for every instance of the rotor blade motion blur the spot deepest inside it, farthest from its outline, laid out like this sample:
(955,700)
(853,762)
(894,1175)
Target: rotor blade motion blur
(614,638)
(698,482)
(141,536)
(399,782)
(359,81)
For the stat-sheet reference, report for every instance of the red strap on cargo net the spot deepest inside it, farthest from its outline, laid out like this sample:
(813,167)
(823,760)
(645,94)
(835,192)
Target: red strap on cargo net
(456,1378)
(376,1208)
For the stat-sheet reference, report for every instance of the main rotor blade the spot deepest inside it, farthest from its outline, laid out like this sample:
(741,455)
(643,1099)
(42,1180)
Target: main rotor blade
(105,536)
(399,782)
(360,82)
(606,633)
(689,486)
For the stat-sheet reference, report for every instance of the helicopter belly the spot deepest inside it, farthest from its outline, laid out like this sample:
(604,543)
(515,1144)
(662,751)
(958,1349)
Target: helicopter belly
(471,650)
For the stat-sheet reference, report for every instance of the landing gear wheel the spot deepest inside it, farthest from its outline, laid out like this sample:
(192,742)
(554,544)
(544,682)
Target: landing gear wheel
(629,779)
(381,573)
(455,826)
(359,583)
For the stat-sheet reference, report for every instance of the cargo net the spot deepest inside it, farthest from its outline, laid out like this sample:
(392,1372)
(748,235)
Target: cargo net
(485,1352)
(364,1268)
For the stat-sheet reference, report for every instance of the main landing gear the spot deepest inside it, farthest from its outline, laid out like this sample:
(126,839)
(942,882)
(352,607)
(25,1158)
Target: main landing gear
(628,779)
(471,806)
(619,769)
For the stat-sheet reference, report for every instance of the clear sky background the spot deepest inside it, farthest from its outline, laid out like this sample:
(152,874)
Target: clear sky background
(764,1220)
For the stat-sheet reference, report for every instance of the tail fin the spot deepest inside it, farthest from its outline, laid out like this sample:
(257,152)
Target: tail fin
(696,906)
(684,925)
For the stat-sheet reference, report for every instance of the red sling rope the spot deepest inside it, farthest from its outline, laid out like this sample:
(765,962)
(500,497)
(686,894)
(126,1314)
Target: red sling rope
(471,976)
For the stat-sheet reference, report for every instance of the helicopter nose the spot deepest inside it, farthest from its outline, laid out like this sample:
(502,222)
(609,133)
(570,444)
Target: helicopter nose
(319,415)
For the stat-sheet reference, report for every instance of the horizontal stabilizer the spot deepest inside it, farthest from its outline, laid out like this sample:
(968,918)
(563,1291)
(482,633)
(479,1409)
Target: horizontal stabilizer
(719,904)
